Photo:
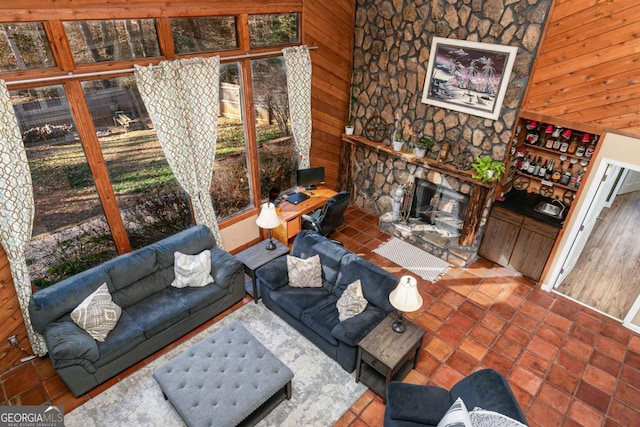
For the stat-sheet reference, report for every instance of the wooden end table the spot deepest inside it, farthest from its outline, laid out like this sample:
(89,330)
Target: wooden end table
(255,257)
(385,355)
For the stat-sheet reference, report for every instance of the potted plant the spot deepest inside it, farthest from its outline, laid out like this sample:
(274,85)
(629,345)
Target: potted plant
(487,170)
(422,145)
(348,129)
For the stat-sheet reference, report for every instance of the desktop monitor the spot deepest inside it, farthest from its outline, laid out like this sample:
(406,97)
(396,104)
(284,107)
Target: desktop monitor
(309,178)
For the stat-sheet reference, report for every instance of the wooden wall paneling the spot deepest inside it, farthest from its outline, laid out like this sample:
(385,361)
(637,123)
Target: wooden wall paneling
(588,66)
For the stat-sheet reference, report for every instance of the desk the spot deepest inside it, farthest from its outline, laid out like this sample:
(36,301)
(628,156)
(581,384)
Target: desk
(291,215)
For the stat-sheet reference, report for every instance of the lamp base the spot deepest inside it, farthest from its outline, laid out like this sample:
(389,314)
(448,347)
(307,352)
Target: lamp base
(398,326)
(270,245)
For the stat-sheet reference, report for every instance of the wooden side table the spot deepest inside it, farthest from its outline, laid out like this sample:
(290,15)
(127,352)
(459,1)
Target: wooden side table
(385,355)
(255,257)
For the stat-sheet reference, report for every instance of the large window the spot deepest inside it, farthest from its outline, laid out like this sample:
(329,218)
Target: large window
(98,41)
(273,29)
(24,46)
(204,34)
(70,233)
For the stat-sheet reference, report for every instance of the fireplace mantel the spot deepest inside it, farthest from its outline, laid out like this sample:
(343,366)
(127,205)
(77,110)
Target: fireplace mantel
(480,194)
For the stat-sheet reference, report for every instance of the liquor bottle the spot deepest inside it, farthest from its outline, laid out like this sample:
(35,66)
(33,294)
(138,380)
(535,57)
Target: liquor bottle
(574,178)
(591,148)
(532,134)
(544,136)
(566,176)
(532,166)
(543,169)
(565,140)
(582,148)
(549,172)
(573,145)
(579,180)
(554,136)
(557,173)
(526,162)
(558,140)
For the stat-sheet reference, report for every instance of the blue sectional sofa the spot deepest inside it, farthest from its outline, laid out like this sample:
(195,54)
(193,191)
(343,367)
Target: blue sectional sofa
(312,311)
(154,313)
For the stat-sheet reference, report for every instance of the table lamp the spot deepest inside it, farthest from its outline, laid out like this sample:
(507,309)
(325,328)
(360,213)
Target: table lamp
(405,298)
(268,219)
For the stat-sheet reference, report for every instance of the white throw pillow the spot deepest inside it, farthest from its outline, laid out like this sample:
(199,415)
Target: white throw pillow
(304,273)
(483,418)
(192,271)
(456,416)
(97,314)
(352,302)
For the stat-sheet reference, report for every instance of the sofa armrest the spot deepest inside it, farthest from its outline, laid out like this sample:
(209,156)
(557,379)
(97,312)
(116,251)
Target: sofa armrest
(69,345)
(416,403)
(352,330)
(224,267)
(274,274)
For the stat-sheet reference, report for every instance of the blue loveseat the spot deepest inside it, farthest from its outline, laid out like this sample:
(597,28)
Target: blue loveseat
(154,313)
(312,311)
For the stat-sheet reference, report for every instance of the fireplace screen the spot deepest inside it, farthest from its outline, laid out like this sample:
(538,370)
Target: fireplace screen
(438,205)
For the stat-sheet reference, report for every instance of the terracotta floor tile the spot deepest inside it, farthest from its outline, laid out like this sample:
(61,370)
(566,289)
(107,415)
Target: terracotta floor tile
(523,397)
(534,310)
(623,414)
(498,362)
(634,343)
(503,310)
(571,362)
(633,359)
(415,377)
(562,379)
(345,420)
(605,363)
(460,321)
(493,322)
(490,289)
(438,349)
(480,298)
(373,414)
(471,309)
(513,300)
(525,379)
(600,379)
(450,334)
(69,401)
(544,414)
(363,402)
(554,397)
(20,379)
(33,396)
(473,348)
(630,376)
(589,320)
(541,347)
(551,335)
(54,386)
(593,397)
(526,322)
(517,334)
(611,347)
(584,335)
(462,362)
(508,348)
(483,335)
(45,368)
(542,298)
(585,415)
(427,364)
(577,348)
(440,310)
(627,394)
(534,363)
(564,309)
(559,322)
(446,377)
(452,298)
(427,321)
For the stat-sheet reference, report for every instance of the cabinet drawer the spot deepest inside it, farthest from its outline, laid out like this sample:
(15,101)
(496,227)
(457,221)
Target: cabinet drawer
(540,227)
(375,363)
(506,215)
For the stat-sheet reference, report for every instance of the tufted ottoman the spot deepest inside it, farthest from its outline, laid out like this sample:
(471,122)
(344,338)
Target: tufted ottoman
(227,378)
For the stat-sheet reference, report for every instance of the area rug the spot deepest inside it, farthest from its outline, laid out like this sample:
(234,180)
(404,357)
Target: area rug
(413,259)
(322,390)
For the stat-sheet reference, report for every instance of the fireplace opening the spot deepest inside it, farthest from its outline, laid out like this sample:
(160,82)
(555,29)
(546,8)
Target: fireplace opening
(438,205)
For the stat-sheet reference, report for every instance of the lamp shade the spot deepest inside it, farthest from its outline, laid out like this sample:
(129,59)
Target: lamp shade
(405,297)
(268,217)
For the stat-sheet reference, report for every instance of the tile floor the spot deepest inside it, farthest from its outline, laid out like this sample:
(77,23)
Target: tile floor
(567,365)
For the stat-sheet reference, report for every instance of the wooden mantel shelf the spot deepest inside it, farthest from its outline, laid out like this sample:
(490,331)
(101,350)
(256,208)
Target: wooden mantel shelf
(425,162)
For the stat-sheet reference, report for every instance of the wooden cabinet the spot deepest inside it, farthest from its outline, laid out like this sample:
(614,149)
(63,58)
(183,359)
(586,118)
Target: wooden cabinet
(516,241)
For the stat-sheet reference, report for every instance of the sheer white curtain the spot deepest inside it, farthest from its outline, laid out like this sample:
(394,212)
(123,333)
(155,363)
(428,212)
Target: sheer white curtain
(298,64)
(16,209)
(182,100)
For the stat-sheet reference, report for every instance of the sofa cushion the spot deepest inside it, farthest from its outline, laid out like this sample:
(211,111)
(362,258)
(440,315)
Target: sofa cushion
(331,254)
(97,314)
(456,416)
(377,284)
(408,402)
(351,302)
(190,241)
(322,318)
(351,331)
(125,336)
(192,271)
(131,267)
(67,341)
(126,296)
(304,273)
(157,312)
(196,299)
(296,300)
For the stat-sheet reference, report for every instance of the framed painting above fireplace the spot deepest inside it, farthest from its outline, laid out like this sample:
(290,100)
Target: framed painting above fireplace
(470,77)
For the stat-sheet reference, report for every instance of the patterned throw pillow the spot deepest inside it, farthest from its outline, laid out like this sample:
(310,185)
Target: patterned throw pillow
(456,416)
(352,302)
(192,271)
(304,273)
(484,418)
(97,314)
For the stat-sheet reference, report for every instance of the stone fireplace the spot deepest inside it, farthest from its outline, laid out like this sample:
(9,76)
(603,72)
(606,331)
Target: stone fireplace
(444,208)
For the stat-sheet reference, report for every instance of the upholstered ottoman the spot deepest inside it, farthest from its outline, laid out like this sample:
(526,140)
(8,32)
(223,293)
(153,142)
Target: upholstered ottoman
(227,379)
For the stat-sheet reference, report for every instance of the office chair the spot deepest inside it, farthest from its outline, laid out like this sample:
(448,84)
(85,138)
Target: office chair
(326,219)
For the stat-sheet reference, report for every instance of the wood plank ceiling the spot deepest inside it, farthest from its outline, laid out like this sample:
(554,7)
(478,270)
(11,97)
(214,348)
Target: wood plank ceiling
(588,67)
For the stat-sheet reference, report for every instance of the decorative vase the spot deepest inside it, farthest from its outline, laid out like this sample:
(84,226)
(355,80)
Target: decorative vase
(348,130)
(397,145)
(419,152)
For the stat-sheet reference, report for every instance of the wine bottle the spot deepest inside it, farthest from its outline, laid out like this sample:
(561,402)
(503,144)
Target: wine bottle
(543,169)
(549,171)
(532,167)
(544,136)
(573,145)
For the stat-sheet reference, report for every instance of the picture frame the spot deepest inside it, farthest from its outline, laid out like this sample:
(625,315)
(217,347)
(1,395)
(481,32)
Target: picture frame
(466,76)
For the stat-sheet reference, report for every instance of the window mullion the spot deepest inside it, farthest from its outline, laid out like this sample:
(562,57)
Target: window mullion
(59,45)
(95,159)
(165,38)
